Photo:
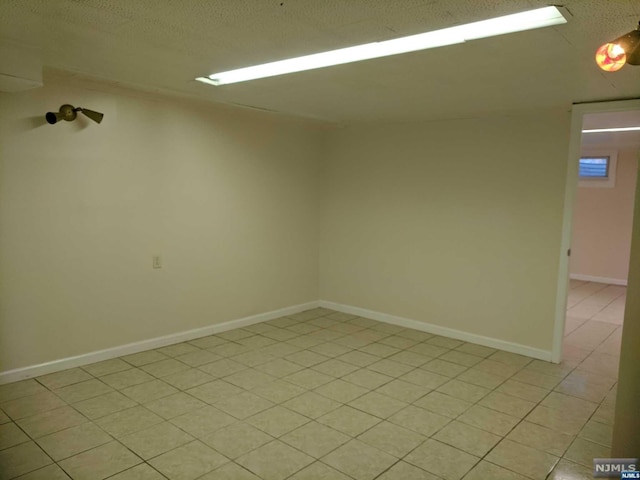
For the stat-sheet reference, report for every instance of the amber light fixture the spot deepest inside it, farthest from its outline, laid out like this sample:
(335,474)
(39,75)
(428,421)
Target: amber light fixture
(614,55)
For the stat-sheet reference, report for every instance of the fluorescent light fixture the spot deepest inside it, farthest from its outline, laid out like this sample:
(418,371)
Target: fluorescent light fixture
(531,19)
(615,129)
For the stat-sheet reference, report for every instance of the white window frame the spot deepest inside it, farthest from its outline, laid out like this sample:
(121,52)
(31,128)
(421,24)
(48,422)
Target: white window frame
(595,182)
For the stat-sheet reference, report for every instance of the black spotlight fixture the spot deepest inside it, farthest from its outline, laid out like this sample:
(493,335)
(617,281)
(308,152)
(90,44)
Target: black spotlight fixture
(612,56)
(69,112)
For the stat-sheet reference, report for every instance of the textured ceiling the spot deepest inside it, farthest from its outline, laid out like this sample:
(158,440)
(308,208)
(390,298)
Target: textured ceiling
(162,45)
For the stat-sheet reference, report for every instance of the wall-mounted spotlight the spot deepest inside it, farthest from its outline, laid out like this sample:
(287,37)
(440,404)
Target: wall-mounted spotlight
(68,112)
(612,56)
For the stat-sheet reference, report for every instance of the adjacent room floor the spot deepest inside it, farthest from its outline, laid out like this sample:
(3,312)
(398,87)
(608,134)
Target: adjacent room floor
(325,395)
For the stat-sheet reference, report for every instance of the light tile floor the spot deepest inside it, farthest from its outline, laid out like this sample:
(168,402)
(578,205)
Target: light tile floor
(325,395)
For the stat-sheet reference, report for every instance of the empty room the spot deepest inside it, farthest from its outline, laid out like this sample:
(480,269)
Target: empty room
(305,240)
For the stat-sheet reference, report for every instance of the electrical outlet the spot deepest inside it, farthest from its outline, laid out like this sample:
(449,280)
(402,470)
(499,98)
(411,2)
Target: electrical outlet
(157,261)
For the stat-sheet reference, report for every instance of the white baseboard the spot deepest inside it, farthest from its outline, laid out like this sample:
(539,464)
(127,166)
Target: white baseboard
(443,331)
(592,278)
(114,352)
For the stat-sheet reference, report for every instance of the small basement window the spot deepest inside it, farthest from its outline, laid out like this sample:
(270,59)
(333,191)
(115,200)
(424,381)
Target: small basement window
(597,169)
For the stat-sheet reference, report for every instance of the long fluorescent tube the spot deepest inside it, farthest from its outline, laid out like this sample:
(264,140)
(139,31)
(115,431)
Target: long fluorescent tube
(531,19)
(616,129)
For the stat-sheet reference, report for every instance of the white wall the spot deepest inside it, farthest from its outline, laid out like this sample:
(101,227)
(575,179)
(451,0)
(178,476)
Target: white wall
(229,199)
(602,220)
(454,223)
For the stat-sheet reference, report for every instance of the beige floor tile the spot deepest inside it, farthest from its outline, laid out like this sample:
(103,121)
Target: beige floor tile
(406,471)
(510,358)
(222,368)
(22,459)
(390,368)
(367,378)
(335,368)
(489,420)
(306,358)
(463,390)
(83,391)
(403,391)
(477,350)
(188,462)
(315,439)
(330,349)
(128,421)
(443,404)
(500,369)
(243,405)
(461,358)
(604,414)
(559,370)
(236,439)
(597,432)
(583,452)
(349,420)
(508,404)
(424,378)
(73,440)
(311,404)
(522,459)
(230,471)
(164,367)
(215,391)
(442,460)
(587,391)
(341,391)
(567,403)
(126,378)
(100,462)
(419,420)
(254,357)
(178,349)
(489,471)
(480,378)
(444,342)
(106,367)
(51,472)
(52,421)
(305,342)
(198,358)
(360,359)
(148,391)
(274,461)
(31,405)
(139,472)
(188,379)
(308,379)
(392,439)
(523,390)
(104,405)
(409,358)
(277,421)
(380,350)
(4,418)
(279,367)
(143,358)
(229,349)
(359,460)
(15,390)
(443,367)
(467,438)
(174,405)
(11,435)
(541,438)
(377,404)
(278,391)
(566,470)
(64,378)
(249,379)
(156,440)
(566,422)
(536,379)
(203,421)
(319,471)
